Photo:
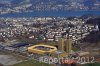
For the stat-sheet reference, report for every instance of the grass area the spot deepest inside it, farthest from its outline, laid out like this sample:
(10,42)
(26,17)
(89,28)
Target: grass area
(27,40)
(92,64)
(75,49)
(32,63)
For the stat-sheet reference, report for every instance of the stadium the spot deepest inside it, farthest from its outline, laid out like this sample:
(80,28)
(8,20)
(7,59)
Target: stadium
(41,49)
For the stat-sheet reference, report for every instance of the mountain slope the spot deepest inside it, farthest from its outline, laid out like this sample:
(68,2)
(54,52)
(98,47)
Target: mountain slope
(49,5)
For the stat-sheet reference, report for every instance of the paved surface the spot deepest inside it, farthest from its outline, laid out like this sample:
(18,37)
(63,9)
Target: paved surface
(8,60)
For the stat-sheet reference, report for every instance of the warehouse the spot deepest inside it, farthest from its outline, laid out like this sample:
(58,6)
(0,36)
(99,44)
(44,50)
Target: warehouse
(19,45)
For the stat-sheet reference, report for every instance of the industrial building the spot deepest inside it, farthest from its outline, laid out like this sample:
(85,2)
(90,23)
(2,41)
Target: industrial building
(17,45)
